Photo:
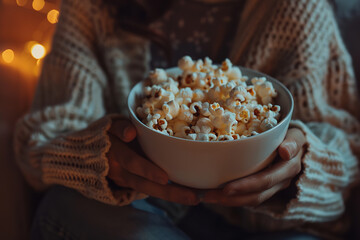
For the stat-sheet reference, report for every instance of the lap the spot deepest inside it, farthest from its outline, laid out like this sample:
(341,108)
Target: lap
(66,214)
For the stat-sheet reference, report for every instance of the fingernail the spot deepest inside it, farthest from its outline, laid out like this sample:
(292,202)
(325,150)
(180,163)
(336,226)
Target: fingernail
(290,148)
(126,132)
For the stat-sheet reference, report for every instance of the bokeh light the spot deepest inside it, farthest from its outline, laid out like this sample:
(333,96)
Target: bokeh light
(21,3)
(38,4)
(38,51)
(29,45)
(8,55)
(53,16)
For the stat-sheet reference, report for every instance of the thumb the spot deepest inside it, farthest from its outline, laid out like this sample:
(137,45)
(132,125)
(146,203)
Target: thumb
(292,144)
(123,129)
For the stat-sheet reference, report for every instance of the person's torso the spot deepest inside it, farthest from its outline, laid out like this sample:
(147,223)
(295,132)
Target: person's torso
(197,29)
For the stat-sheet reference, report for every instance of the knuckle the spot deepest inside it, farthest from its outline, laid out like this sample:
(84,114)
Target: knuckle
(269,181)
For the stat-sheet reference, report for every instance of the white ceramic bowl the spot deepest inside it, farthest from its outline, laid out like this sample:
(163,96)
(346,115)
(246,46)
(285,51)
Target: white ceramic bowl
(207,165)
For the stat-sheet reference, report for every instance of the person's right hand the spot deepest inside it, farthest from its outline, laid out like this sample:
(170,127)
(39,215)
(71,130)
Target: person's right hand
(128,169)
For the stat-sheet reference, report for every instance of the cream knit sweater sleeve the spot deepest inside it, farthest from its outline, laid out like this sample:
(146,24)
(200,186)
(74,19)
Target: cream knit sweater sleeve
(303,48)
(63,140)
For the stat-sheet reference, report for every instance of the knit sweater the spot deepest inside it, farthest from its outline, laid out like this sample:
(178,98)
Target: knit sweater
(93,65)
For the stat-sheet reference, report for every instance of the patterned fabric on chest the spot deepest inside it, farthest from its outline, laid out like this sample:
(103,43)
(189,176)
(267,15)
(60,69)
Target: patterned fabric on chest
(198,30)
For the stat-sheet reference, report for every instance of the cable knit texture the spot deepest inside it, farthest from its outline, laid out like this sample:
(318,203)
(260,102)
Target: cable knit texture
(88,74)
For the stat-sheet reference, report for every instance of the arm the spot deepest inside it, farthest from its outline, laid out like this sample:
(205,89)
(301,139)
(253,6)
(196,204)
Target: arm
(63,140)
(67,139)
(312,61)
(325,94)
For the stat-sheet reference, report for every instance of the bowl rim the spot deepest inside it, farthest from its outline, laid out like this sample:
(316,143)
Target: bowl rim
(282,122)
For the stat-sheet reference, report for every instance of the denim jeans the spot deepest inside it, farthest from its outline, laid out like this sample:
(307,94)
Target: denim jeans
(65,214)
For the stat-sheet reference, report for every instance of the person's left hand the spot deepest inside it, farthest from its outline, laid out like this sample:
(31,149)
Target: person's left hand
(255,189)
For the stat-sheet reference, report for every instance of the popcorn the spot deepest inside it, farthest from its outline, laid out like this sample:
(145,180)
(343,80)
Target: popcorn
(235,136)
(208,102)
(268,123)
(203,125)
(225,138)
(171,109)
(243,114)
(197,67)
(219,81)
(222,119)
(189,80)
(240,93)
(158,76)
(219,73)
(209,80)
(226,65)
(264,89)
(195,108)
(181,129)
(194,80)
(185,114)
(205,109)
(159,96)
(214,94)
(253,125)
(169,131)
(198,95)
(235,73)
(208,63)
(186,63)
(185,96)
(171,85)
(227,88)
(240,128)
(157,124)
(206,137)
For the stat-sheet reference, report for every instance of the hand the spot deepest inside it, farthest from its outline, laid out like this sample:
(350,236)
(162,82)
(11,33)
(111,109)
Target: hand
(128,169)
(257,188)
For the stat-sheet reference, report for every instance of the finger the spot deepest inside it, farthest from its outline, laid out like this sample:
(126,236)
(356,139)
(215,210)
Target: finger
(135,164)
(123,129)
(169,192)
(267,178)
(252,199)
(293,142)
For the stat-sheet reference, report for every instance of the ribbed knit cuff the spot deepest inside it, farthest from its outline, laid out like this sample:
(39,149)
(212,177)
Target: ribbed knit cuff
(79,161)
(318,196)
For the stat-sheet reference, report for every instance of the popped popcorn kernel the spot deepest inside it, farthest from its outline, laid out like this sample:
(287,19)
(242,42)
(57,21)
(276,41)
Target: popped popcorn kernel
(208,102)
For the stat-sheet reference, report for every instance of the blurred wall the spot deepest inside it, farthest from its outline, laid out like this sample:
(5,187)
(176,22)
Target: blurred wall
(21,27)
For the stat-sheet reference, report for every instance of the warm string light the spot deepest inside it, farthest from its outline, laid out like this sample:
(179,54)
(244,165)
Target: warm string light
(8,55)
(32,48)
(38,5)
(38,51)
(21,3)
(53,16)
